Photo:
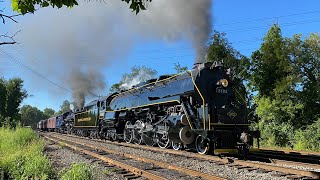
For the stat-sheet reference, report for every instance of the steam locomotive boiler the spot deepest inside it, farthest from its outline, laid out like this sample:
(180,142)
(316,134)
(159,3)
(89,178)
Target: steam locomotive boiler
(196,109)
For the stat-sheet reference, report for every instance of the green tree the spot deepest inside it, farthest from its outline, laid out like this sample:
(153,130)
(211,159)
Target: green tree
(29,6)
(180,68)
(15,95)
(31,115)
(48,112)
(273,77)
(11,96)
(305,58)
(65,106)
(138,74)
(3,98)
(270,66)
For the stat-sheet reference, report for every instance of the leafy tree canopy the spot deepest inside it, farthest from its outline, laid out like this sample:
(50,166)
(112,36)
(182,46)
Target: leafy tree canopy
(11,96)
(65,107)
(305,59)
(29,6)
(31,115)
(48,112)
(270,65)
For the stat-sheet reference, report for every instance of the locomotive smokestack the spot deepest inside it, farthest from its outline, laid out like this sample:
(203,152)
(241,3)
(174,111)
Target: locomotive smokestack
(196,65)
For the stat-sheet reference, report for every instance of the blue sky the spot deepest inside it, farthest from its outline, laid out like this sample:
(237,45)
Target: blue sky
(245,22)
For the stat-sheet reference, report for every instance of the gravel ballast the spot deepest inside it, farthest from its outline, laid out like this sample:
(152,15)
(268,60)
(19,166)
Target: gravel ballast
(62,157)
(191,163)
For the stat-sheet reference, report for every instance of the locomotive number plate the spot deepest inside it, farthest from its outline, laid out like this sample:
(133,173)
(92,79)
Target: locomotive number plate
(221,91)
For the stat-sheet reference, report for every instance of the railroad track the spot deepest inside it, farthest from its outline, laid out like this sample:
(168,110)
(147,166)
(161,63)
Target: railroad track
(132,166)
(305,157)
(231,162)
(291,151)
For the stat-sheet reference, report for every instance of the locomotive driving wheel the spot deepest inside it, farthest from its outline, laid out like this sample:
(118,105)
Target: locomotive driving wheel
(128,133)
(176,146)
(202,145)
(137,135)
(163,139)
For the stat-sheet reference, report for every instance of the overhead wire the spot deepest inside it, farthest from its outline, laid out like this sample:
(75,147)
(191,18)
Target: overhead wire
(268,18)
(13,59)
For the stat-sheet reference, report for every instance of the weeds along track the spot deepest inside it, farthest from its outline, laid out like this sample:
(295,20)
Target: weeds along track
(131,166)
(281,168)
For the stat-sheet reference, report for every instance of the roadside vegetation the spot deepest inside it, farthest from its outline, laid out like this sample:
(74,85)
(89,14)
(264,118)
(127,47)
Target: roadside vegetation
(21,155)
(79,171)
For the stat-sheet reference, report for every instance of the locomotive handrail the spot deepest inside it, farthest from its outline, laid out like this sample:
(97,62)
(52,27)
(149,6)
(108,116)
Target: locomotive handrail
(203,101)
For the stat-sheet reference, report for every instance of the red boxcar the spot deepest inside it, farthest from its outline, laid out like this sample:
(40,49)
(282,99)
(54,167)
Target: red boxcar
(51,124)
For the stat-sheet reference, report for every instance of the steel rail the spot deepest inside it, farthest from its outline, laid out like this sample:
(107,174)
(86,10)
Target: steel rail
(155,162)
(311,153)
(129,168)
(283,162)
(286,170)
(291,157)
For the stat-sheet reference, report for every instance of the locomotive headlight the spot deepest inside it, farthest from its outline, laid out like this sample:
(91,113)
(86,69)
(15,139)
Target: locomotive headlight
(224,82)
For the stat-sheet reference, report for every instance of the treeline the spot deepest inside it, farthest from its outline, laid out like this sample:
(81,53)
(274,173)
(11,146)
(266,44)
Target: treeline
(11,96)
(282,84)
(11,113)
(31,115)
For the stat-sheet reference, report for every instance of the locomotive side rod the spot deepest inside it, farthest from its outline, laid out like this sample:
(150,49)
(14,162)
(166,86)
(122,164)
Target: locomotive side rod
(155,162)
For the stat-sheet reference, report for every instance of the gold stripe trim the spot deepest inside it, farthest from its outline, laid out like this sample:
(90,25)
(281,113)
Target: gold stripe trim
(209,121)
(77,113)
(226,151)
(189,122)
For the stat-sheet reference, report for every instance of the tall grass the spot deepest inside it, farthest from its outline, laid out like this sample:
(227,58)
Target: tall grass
(21,154)
(77,172)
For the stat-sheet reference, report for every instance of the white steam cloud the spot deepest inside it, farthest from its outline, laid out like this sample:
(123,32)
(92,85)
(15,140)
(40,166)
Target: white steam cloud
(77,44)
(142,75)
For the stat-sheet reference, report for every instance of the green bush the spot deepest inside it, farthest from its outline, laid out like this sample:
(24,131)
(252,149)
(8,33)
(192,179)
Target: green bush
(308,139)
(276,134)
(77,172)
(284,135)
(21,154)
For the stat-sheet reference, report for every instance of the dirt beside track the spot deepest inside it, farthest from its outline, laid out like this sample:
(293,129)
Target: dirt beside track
(61,157)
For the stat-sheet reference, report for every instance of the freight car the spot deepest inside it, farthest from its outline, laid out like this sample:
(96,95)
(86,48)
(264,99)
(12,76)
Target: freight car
(51,124)
(195,109)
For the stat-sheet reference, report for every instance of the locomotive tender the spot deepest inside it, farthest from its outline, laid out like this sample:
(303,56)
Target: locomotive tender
(195,109)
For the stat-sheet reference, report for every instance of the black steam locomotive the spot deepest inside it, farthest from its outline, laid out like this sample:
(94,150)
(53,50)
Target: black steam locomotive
(195,109)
